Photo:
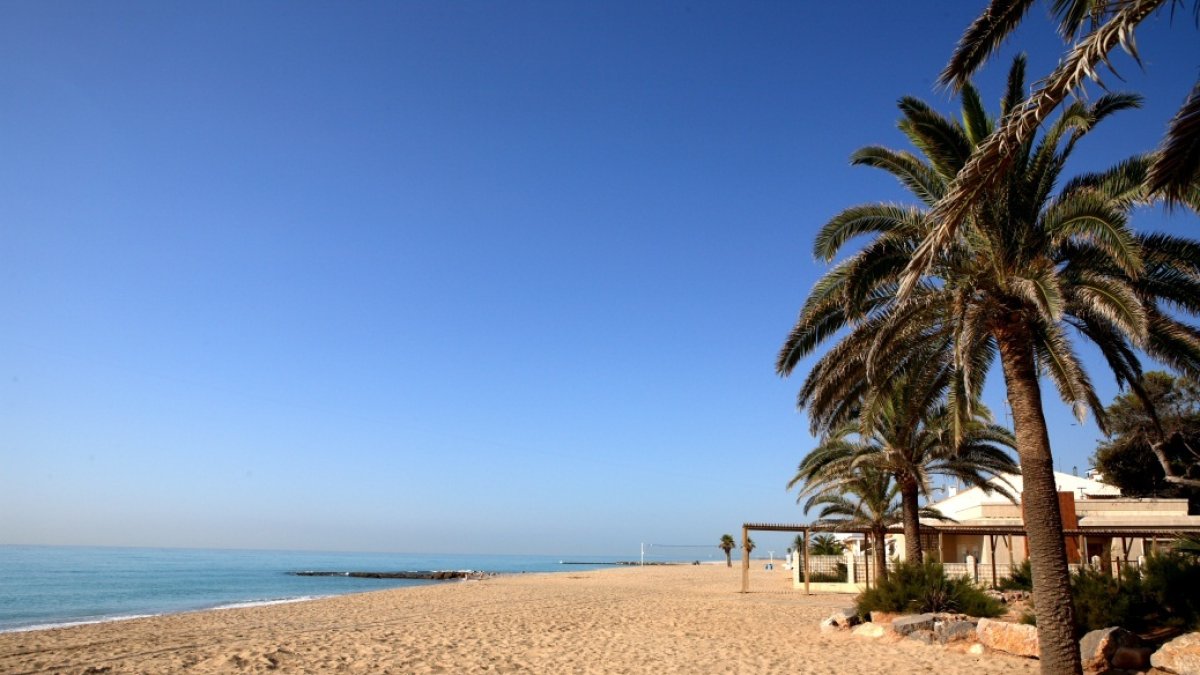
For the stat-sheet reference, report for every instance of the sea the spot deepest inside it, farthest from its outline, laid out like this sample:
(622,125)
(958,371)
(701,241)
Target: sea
(52,586)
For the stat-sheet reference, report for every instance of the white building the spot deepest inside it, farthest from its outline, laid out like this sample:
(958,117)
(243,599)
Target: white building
(1084,502)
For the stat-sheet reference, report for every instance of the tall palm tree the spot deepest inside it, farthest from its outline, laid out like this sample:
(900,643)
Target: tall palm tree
(900,426)
(870,499)
(1022,267)
(727,545)
(1097,26)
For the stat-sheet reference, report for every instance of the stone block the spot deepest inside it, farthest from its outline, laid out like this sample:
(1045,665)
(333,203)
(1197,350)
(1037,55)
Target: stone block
(906,624)
(1181,655)
(845,617)
(1012,638)
(955,631)
(977,649)
(1132,658)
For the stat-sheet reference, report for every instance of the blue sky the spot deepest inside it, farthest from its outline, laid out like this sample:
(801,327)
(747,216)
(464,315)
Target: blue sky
(444,277)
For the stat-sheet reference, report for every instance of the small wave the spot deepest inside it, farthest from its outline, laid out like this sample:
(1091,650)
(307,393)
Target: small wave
(266,603)
(81,622)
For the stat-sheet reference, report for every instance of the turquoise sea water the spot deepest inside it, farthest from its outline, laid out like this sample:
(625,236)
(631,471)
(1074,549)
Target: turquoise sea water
(50,586)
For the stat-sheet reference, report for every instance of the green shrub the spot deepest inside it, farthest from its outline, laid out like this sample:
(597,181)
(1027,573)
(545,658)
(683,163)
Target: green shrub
(1161,594)
(1169,590)
(1021,579)
(915,588)
(1102,601)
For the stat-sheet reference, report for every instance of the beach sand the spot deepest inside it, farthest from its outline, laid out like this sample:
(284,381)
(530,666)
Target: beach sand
(677,619)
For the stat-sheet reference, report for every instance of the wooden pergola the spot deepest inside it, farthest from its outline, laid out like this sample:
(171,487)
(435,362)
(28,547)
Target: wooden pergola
(1123,532)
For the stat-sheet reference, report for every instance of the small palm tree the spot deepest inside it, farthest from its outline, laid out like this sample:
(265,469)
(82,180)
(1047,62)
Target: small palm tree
(824,544)
(869,499)
(749,545)
(727,545)
(903,427)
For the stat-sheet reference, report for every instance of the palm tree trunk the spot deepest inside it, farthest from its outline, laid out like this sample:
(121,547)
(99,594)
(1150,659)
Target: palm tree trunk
(880,555)
(1039,503)
(729,557)
(910,506)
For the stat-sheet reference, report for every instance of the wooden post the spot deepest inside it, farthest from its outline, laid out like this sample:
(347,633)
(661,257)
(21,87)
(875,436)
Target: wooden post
(745,559)
(1025,544)
(992,542)
(806,592)
(1084,558)
(941,548)
(1154,545)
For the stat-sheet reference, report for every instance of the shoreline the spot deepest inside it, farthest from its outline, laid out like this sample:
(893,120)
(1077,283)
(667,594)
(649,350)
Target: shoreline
(632,620)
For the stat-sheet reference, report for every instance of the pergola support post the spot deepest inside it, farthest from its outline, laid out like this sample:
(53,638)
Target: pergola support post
(806,591)
(745,559)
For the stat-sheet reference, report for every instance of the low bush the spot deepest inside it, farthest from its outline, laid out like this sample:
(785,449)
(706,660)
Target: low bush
(916,588)
(1160,594)
(1021,579)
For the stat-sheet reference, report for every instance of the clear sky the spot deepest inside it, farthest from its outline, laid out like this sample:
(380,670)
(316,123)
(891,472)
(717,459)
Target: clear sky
(445,276)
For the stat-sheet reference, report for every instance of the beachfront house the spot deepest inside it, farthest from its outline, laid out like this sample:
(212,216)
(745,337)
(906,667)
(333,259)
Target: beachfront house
(1085,502)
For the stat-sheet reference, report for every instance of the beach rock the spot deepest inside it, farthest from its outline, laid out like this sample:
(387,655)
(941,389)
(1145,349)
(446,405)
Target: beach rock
(1014,596)
(1098,647)
(977,649)
(845,617)
(924,636)
(1132,658)
(907,624)
(1181,655)
(828,625)
(996,595)
(1013,638)
(870,630)
(955,631)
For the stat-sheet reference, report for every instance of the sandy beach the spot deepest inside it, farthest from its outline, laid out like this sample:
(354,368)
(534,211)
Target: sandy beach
(630,620)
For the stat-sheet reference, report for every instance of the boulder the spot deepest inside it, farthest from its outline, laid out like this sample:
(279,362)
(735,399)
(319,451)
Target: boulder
(977,649)
(870,630)
(1132,658)
(1181,655)
(828,626)
(907,624)
(955,631)
(1098,647)
(1013,638)
(845,617)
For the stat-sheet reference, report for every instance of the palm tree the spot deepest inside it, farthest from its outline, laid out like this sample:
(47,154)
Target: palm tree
(824,544)
(1021,267)
(1097,26)
(903,428)
(749,546)
(870,499)
(727,545)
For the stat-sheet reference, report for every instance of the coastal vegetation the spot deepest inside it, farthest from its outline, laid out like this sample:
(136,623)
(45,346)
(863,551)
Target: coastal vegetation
(1001,269)
(915,588)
